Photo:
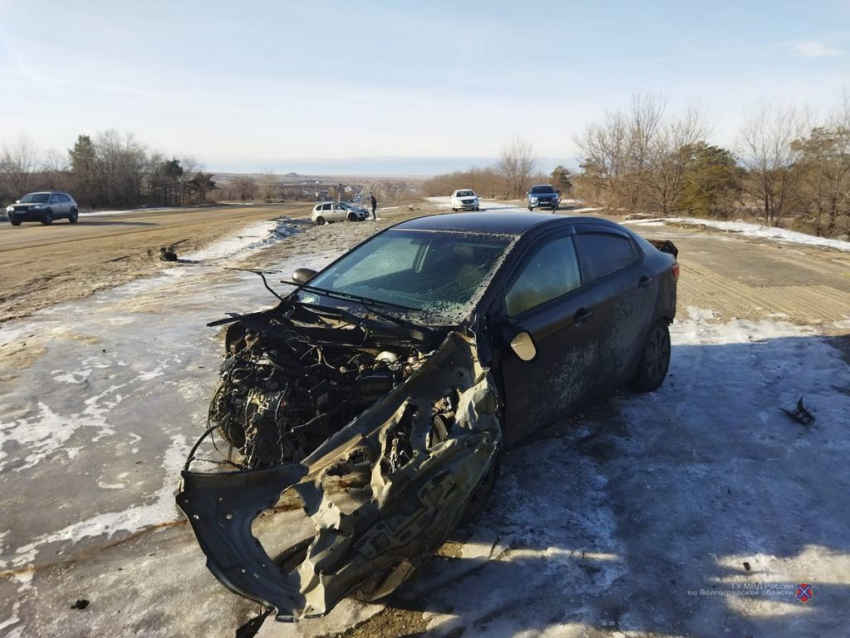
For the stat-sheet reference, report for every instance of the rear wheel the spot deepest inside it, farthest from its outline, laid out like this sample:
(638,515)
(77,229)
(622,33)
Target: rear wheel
(654,360)
(47,218)
(14,220)
(320,221)
(73,216)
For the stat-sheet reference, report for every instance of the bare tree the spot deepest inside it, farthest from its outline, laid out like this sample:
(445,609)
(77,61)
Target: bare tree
(617,152)
(55,170)
(768,152)
(245,186)
(516,164)
(669,158)
(18,163)
(268,186)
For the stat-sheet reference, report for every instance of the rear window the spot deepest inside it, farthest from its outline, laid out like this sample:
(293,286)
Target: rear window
(605,253)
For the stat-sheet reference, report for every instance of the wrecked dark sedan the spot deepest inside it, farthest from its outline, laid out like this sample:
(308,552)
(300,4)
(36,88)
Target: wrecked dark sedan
(363,417)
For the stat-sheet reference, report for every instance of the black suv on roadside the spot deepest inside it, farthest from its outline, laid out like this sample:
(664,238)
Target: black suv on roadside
(43,207)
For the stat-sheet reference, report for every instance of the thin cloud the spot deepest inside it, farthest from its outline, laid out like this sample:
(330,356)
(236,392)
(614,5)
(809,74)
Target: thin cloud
(815,49)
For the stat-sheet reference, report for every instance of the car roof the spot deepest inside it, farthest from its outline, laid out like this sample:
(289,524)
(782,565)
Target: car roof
(492,223)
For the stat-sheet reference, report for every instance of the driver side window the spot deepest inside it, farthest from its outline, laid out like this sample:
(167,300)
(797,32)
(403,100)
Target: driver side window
(550,271)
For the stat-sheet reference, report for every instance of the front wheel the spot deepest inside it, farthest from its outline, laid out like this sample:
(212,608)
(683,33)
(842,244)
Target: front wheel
(73,216)
(654,359)
(531,208)
(352,217)
(14,221)
(47,218)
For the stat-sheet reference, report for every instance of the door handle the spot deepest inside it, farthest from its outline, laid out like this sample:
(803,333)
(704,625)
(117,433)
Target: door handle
(644,281)
(582,316)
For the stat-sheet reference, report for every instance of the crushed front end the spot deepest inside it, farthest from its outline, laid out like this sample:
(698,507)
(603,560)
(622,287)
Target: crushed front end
(355,489)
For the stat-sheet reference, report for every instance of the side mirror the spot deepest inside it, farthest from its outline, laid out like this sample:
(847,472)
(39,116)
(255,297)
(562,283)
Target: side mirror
(303,275)
(559,192)
(523,346)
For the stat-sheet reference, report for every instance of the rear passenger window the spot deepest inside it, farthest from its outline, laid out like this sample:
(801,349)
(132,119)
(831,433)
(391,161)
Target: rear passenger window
(604,253)
(326,206)
(551,271)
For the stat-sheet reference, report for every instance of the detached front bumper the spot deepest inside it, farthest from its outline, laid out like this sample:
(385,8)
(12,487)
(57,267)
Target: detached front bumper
(383,494)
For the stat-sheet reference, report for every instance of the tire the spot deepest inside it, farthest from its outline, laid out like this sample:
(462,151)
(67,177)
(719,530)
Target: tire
(555,207)
(477,208)
(320,221)
(74,216)
(654,359)
(531,208)
(454,210)
(14,220)
(47,218)
(352,217)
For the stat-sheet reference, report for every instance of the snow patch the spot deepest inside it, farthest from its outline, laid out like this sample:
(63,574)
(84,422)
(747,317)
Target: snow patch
(756,231)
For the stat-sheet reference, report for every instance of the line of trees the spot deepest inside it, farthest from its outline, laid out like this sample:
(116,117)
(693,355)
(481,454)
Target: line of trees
(517,168)
(108,170)
(785,169)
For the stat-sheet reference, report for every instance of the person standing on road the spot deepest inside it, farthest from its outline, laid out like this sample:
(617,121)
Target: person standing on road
(374,205)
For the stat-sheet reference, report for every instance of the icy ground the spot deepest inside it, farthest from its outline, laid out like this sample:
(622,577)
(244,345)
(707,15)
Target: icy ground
(634,517)
(747,229)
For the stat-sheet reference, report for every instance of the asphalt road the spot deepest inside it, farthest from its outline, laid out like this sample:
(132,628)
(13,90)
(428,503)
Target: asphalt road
(41,265)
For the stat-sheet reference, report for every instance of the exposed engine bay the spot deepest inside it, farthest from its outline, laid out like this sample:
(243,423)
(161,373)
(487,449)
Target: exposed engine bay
(283,391)
(381,436)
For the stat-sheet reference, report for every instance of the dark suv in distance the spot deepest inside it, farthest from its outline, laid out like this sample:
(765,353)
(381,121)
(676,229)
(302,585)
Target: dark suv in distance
(543,195)
(43,207)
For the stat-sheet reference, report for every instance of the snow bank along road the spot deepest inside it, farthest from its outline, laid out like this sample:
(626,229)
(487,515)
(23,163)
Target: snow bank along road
(694,511)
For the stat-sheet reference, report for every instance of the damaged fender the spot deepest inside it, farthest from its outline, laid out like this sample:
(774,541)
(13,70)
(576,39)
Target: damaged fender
(383,493)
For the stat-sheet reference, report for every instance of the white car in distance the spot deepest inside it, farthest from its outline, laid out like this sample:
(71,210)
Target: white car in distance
(465,199)
(329,212)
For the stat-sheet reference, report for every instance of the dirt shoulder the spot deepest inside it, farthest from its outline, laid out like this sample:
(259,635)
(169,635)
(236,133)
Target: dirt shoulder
(44,265)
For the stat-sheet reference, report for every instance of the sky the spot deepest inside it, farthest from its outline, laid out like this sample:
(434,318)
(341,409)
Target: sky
(399,87)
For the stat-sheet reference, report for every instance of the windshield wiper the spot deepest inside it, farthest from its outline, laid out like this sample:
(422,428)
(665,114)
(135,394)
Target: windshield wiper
(369,305)
(348,295)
